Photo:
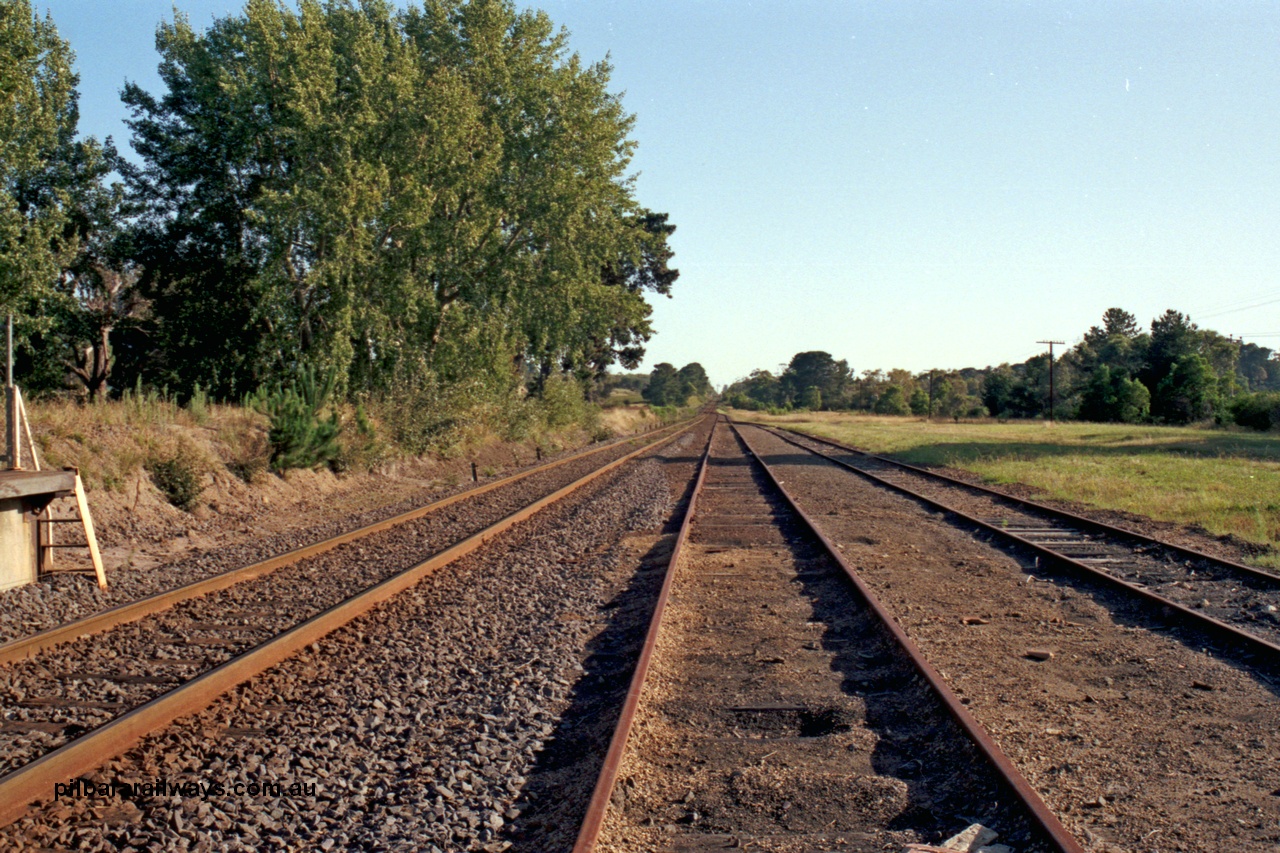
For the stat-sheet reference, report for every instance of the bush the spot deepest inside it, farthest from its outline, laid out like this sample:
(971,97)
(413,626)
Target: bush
(198,405)
(1260,411)
(179,476)
(360,448)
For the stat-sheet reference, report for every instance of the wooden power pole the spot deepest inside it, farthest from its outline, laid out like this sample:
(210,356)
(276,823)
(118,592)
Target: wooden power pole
(1051,343)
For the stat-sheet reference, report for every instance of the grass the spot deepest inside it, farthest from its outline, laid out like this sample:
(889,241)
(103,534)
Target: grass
(112,442)
(1226,482)
(109,442)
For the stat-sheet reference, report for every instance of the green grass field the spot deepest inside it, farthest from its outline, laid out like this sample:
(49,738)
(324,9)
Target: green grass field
(1226,482)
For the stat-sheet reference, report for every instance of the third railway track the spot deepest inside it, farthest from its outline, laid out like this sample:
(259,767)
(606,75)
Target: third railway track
(1143,731)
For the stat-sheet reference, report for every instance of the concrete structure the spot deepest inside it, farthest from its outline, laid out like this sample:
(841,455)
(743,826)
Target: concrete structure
(23,495)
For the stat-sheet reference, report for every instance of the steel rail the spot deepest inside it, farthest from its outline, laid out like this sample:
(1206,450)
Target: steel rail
(598,805)
(1252,643)
(131,611)
(1040,813)
(24,786)
(1084,521)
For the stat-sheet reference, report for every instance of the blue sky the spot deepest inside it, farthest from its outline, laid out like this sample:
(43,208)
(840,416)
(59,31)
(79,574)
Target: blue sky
(909,184)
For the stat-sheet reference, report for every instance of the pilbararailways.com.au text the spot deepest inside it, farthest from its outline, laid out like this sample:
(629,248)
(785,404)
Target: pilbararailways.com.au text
(86,788)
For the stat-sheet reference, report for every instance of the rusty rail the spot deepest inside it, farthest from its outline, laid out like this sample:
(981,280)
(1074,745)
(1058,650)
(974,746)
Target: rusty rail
(1040,813)
(1074,518)
(20,788)
(589,832)
(25,647)
(1251,642)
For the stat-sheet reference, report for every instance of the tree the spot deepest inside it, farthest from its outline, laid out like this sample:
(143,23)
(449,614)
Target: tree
(1114,397)
(819,370)
(892,402)
(37,129)
(811,399)
(440,192)
(665,387)
(1188,393)
(998,390)
(760,389)
(1173,337)
(694,377)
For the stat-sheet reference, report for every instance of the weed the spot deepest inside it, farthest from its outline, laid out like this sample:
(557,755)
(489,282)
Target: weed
(198,405)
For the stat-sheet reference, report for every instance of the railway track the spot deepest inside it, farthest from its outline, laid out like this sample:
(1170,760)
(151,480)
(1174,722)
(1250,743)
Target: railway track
(77,695)
(1233,602)
(776,705)
(1144,731)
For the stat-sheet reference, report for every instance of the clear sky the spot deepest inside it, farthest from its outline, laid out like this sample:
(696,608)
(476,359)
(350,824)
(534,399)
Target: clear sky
(908,184)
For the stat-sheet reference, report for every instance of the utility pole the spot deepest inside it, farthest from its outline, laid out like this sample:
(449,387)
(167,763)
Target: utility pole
(930,395)
(1051,343)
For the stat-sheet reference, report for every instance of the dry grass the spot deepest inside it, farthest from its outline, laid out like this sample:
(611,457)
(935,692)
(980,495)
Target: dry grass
(1223,481)
(628,419)
(110,442)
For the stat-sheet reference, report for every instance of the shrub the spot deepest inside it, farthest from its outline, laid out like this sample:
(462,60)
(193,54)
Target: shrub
(360,449)
(1260,411)
(198,405)
(179,475)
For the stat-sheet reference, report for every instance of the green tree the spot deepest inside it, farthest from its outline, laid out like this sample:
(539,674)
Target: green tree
(37,129)
(1173,337)
(817,369)
(434,194)
(892,402)
(695,379)
(919,401)
(811,399)
(665,387)
(1114,397)
(998,391)
(1188,393)
(761,388)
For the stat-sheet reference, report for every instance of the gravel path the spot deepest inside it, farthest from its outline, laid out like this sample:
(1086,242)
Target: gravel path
(418,725)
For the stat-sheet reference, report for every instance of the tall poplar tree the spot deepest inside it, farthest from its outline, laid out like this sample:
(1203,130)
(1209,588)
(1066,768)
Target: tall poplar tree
(37,125)
(435,194)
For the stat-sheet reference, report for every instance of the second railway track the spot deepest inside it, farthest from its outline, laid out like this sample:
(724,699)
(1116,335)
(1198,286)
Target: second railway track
(780,713)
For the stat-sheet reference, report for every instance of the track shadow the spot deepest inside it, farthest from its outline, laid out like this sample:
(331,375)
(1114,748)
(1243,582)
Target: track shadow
(949,783)
(553,799)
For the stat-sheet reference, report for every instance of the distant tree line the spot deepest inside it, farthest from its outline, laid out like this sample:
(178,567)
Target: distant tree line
(407,200)
(1173,373)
